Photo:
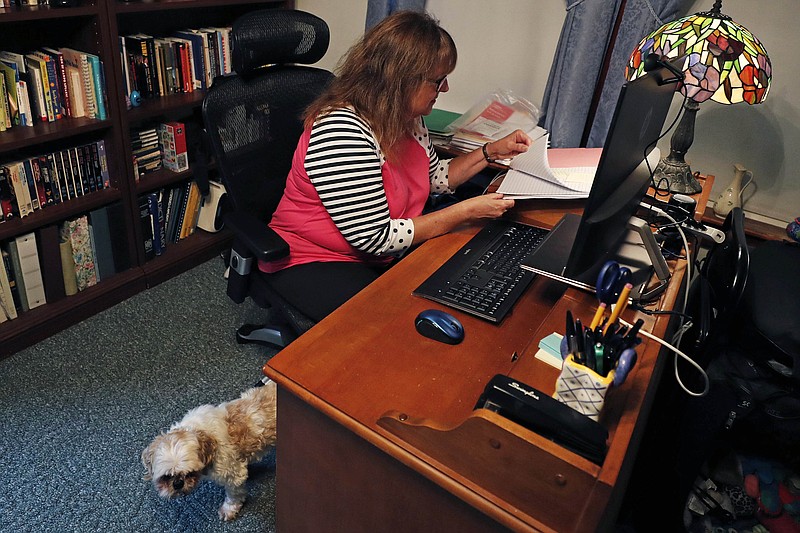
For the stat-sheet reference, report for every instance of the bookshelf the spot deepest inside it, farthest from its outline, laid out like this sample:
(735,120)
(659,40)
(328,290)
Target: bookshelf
(94,26)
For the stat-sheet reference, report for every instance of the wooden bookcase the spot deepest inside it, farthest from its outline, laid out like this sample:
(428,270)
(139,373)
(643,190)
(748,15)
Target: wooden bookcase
(94,26)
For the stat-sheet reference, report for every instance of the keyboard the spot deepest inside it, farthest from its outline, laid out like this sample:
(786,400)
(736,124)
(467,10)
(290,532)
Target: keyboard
(484,277)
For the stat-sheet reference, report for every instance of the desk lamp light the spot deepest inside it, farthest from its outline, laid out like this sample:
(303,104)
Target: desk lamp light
(722,61)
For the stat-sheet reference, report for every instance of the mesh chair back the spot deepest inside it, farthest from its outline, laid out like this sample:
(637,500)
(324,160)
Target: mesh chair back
(254,118)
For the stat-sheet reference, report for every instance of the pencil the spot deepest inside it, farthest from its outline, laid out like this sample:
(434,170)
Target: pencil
(598,316)
(622,303)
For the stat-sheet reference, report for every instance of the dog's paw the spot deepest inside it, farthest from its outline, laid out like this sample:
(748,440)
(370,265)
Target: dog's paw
(229,510)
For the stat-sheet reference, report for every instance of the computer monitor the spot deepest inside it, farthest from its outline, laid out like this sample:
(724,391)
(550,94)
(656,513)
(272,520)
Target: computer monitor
(578,246)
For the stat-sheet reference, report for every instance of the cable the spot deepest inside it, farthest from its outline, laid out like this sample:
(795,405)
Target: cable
(706,383)
(660,191)
(683,326)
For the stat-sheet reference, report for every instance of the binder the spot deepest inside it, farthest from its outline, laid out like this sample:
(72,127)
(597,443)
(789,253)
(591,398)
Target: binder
(28,257)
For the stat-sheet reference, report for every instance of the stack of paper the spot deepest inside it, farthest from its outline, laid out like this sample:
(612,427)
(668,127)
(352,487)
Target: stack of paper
(532,176)
(438,123)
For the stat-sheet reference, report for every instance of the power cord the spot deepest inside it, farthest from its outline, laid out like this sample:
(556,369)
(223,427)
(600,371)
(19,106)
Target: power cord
(684,326)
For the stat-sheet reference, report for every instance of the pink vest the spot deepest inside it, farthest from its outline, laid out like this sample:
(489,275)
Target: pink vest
(303,222)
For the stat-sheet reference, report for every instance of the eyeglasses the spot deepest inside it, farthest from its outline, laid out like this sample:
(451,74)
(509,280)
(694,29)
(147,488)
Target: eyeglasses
(439,83)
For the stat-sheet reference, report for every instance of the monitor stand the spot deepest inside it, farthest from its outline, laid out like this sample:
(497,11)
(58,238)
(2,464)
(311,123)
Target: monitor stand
(639,251)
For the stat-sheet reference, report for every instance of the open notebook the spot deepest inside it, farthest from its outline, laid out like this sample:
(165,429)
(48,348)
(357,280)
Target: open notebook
(551,173)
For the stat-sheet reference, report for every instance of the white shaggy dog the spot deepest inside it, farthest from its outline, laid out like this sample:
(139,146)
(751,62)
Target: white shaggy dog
(215,442)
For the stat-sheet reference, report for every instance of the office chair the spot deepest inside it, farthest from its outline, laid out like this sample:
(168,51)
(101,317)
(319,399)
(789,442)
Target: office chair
(716,292)
(253,120)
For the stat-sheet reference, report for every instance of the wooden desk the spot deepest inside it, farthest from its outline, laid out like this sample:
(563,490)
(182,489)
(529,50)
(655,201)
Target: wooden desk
(377,427)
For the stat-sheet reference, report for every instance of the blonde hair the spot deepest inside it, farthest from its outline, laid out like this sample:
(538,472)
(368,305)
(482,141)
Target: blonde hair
(381,73)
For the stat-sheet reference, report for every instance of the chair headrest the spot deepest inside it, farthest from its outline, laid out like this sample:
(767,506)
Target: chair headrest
(275,36)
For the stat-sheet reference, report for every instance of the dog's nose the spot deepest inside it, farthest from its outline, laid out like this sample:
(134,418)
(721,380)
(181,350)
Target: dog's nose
(177,484)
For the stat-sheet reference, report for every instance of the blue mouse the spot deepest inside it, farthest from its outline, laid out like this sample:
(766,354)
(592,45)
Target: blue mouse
(439,326)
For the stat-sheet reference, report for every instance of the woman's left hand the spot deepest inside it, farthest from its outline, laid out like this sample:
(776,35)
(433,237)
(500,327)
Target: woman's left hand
(512,144)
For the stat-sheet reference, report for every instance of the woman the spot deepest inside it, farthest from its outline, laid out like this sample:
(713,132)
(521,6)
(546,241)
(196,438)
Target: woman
(365,166)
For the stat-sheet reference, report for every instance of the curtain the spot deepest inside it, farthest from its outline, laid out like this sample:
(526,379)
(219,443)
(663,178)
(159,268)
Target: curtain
(578,62)
(641,17)
(378,9)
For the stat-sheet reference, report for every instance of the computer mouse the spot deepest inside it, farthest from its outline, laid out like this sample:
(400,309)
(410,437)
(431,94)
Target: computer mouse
(439,326)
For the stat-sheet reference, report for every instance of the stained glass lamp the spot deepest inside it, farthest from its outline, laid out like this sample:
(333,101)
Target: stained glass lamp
(722,61)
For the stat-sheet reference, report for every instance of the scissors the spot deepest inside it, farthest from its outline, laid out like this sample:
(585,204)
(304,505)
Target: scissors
(624,365)
(610,282)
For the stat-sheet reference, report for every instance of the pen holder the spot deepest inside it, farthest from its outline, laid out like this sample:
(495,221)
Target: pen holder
(582,388)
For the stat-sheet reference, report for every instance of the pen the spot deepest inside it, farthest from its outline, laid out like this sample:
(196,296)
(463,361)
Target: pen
(588,346)
(622,302)
(631,335)
(572,345)
(579,339)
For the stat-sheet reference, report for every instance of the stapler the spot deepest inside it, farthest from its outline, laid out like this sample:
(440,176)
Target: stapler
(546,416)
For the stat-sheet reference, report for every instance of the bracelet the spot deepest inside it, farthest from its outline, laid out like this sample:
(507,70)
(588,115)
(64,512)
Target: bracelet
(486,154)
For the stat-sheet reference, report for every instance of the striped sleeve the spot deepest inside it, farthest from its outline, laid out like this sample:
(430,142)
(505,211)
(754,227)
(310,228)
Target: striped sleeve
(439,169)
(343,162)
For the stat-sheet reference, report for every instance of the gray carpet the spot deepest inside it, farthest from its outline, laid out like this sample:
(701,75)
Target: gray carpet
(77,409)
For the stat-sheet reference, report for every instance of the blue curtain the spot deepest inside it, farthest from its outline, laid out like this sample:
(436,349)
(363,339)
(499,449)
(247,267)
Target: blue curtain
(378,9)
(577,65)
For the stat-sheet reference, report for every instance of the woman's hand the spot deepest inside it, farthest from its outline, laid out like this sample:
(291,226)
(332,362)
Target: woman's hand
(491,205)
(514,143)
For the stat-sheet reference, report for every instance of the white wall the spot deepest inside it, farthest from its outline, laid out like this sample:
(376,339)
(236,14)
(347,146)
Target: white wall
(765,138)
(510,44)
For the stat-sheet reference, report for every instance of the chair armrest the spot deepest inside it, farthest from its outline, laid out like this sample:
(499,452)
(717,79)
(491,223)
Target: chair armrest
(256,236)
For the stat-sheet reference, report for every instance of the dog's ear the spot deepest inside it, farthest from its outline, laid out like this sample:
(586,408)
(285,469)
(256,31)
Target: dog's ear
(147,460)
(207,447)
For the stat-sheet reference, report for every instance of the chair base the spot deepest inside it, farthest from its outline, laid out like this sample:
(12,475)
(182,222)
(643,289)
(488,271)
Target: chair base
(264,334)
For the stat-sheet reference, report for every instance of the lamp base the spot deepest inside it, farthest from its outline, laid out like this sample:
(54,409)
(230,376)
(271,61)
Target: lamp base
(678,177)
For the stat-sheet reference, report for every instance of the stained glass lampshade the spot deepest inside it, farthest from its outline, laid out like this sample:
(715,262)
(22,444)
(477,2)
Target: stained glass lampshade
(721,61)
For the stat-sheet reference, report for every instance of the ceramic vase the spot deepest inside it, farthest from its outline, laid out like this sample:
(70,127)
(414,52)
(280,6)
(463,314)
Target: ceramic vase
(732,196)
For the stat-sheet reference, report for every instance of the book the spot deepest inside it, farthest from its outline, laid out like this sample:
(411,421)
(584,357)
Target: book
(5,108)
(157,222)
(38,67)
(21,191)
(200,55)
(101,153)
(26,176)
(80,61)
(17,62)
(98,86)
(11,75)
(174,156)
(174,212)
(36,176)
(116,215)
(8,311)
(61,74)
(52,83)
(8,200)
(102,238)
(146,227)
(77,100)
(192,204)
(80,241)
(27,272)
(67,262)
(48,240)
(15,272)
(12,279)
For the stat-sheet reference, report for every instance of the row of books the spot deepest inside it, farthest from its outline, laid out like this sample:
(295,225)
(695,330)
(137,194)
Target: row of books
(169,215)
(50,84)
(60,260)
(187,60)
(10,3)
(160,146)
(28,185)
